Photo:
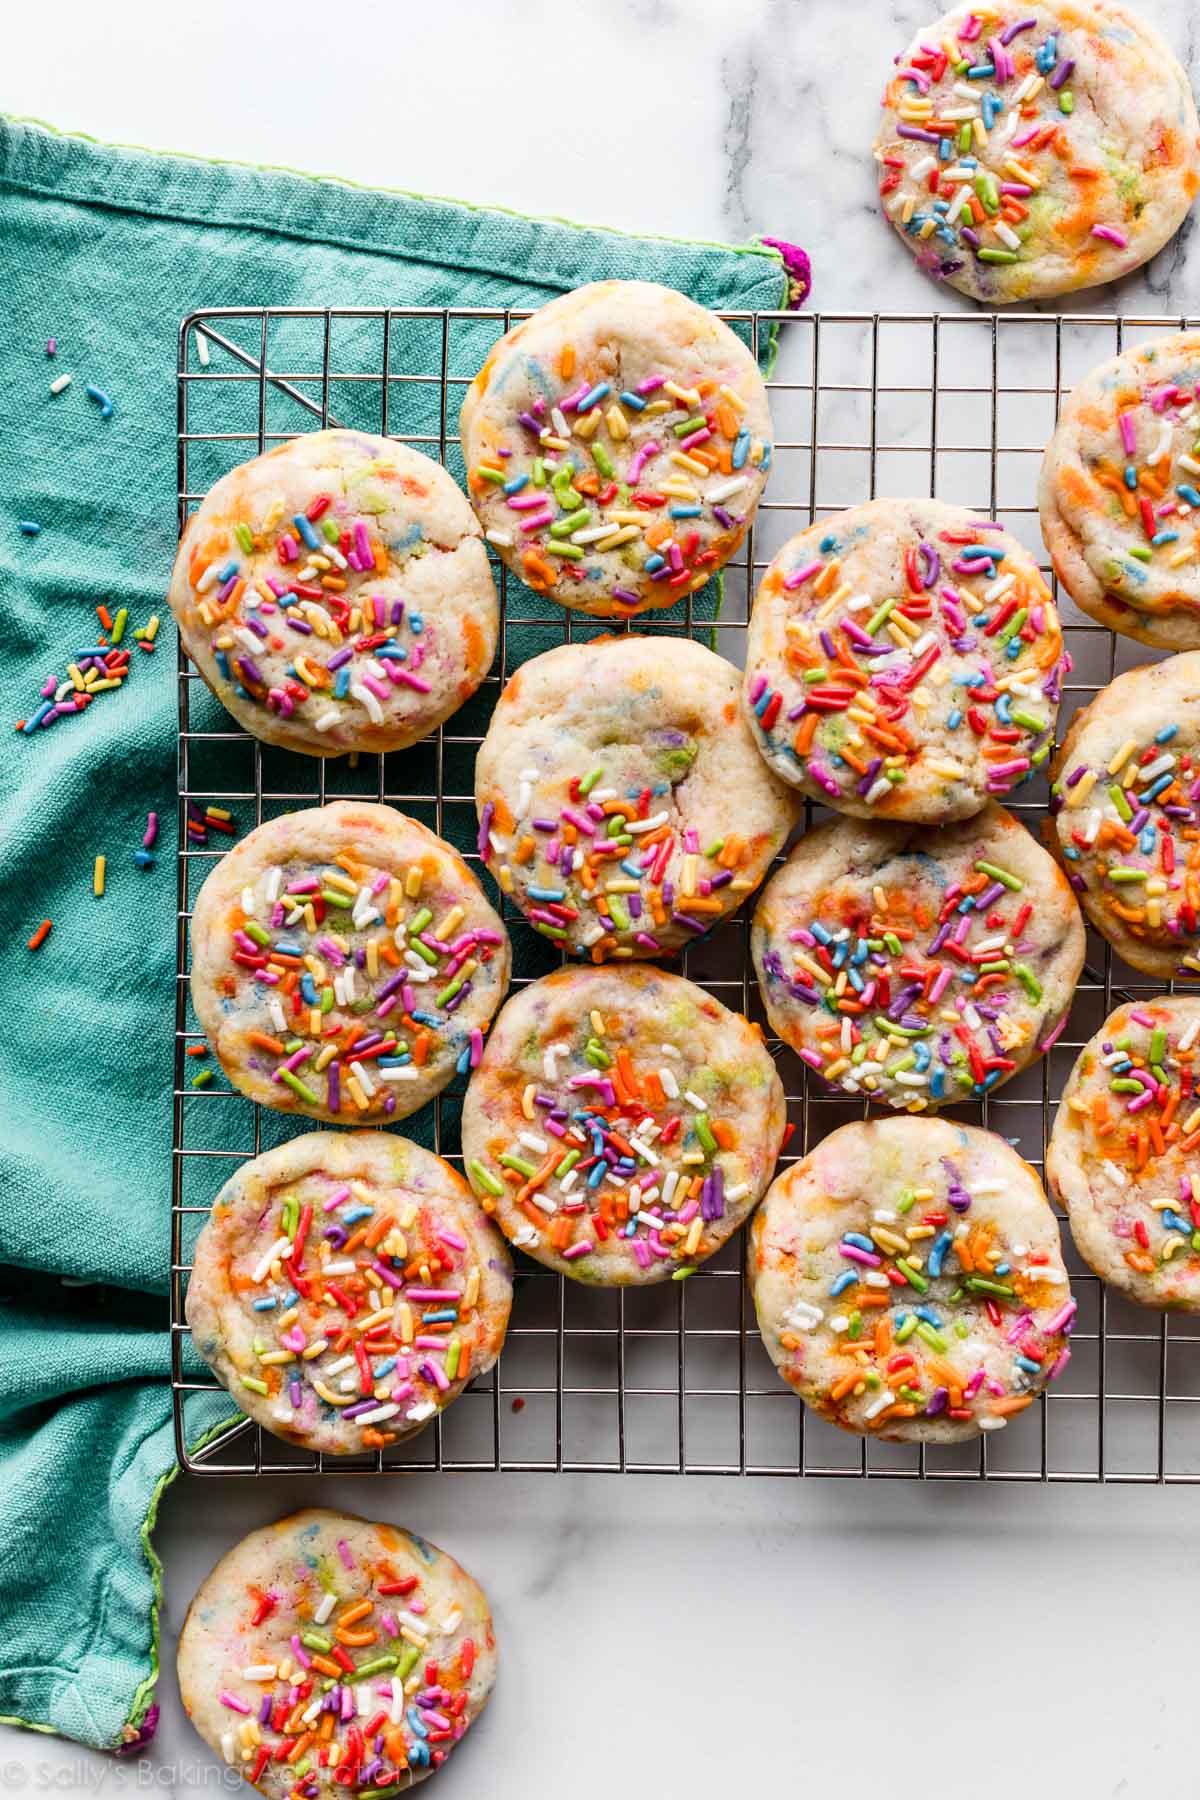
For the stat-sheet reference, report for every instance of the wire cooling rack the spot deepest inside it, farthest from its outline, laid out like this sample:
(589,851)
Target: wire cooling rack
(671,1378)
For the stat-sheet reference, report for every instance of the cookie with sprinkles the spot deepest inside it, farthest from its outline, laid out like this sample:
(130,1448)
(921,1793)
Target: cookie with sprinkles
(345,964)
(914,969)
(328,1656)
(335,594)
(1120,492)
(622,804)
(1030,150)
(909,1281)
(1124,1156)
(1124,802)
(616,445)
(346,1287)
(904,661)
(622,1123)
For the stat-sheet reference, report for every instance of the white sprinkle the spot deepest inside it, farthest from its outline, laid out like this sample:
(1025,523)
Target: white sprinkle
(503,540)
(262,1671)
(263,1268)
(725,490)
(327,720)
(56,387)
(670,1086)
(368,1082)
(398,1072)
(366,698)
(695,1100)
(801,1316)
(879,1404)
(376,1413)
(278,1016)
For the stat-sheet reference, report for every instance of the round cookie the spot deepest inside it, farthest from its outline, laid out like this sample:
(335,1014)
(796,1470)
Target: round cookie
(622,1123)
(1124,1156)
(909,1281)
(1119,494)
(1028,150)
(904,661)
(335,594)
(621,801)
(345,963)
(1126,783)
(918,970)
(363,1643)
(346,1287)
(616,446)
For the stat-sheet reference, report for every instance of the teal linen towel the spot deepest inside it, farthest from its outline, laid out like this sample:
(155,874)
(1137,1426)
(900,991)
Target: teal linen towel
(105,249)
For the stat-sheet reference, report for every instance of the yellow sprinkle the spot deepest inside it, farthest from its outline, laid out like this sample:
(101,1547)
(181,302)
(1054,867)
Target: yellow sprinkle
(618,424)
(358,1093)
(98,876)
(527,1100)
(412,882)
(691,1242)
(735,400)
(1078,794)
(685,396)
(587,426)
(688,462)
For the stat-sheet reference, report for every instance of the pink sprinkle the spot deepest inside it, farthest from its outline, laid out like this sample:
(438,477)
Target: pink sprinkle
(408,679)
(233,1703)
(362,544)
(1052,1037)
(452,1238)
(585,1244)
(799,576)
(1141,1017)
(1110,236)
(337,1198)
(343,1550)
(650,385)
(300,1653)
(1128,432)
(389,1624)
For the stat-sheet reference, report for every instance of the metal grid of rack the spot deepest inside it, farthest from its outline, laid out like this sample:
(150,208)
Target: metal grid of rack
(670,1378)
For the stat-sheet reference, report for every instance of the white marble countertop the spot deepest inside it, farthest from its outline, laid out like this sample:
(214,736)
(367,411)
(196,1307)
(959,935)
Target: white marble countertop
(672,1637)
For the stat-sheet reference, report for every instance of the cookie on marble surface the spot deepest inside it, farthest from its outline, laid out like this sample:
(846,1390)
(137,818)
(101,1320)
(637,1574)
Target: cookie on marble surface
(345,963)
(622,1123)
(327,1654)
(1028,150)
(1124,1156)
(616,444)
(909,1281)
(918,969)
(1124,795)
(904,661)
(335,594)
(346,1287)
(1119,493)
(622,803)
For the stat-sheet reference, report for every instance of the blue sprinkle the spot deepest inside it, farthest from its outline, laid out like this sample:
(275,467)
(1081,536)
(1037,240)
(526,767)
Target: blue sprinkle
(264,1305)
(633,400)
(846,1279)
(29,527)
(305,528)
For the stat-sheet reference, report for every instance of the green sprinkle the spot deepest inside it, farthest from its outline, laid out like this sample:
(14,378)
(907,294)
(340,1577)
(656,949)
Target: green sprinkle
(423,951)
(905,1331)
(1066,101)
(619,911)
(1141,552)
(519,1163)
(244,536)
(704,1132)
(254,1384)
(906,1202)
(572,521)
(714,849)
(1013,883)
(1124,1084)
(882,616)
(597,1055)
(298,1088)
(996,256)
(890,1029)
(379,1664)
(486,1180)
(682,1274)
(202,1079)
(603,461)
(567,1164)
(334,897)
(550,931)
(1128,874)
(591,778)
(854,1328)
(572,552)
(453,1351)
(985,187)
(912,1275)
(1028,980)
(1158,1044)
(118,626)
(254,930)
(1029,720)
(404,1667)
(1014,625)
(326,999)
(976,1284)
(1116,794)
(316,1640)
(537,473)
(496,475)
(932,1337)
(448,992)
